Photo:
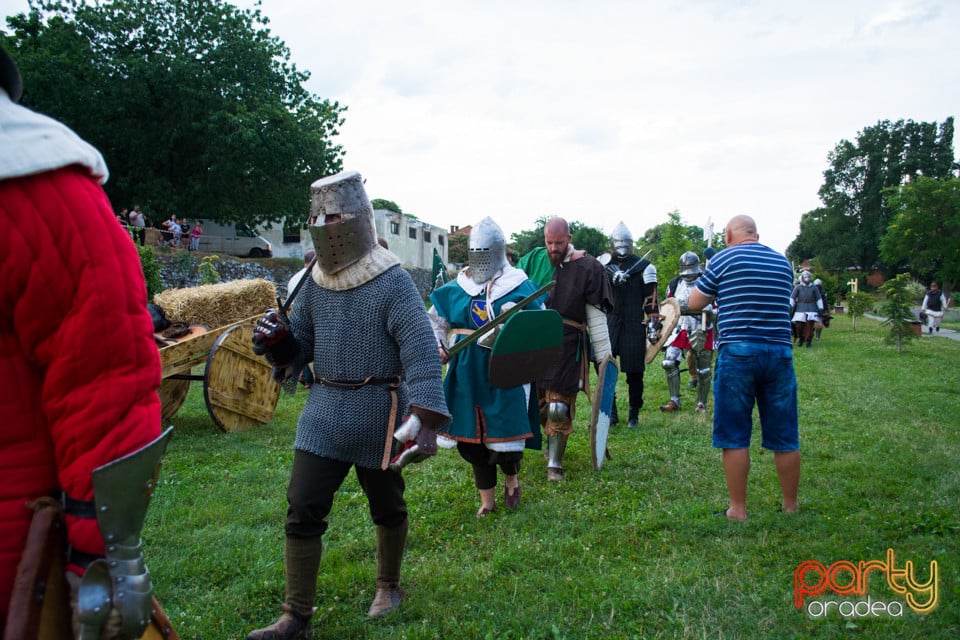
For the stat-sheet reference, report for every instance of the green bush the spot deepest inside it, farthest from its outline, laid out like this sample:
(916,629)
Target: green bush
(208,270)
(151,271)
(898,310)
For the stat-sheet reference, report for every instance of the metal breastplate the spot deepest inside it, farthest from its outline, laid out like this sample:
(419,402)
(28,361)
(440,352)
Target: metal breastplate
(682,294)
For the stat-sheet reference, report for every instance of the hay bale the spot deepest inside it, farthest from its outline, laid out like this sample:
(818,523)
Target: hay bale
(217,305)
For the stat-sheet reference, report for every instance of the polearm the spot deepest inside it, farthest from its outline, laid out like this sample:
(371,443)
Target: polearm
(500,319)
(706,262)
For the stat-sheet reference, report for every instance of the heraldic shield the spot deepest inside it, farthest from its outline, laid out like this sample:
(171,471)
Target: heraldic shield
(670,310)
(603,394)
(528,343)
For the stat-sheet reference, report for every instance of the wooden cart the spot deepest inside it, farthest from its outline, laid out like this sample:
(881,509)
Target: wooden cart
(238,387)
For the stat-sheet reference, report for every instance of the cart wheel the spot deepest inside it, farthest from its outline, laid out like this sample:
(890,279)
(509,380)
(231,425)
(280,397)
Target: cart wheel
(173,393)
(238,387)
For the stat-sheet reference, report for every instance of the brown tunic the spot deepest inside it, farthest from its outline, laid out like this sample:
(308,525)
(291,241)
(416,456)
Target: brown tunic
(579,282)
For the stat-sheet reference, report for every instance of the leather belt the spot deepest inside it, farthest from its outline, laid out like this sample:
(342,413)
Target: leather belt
(392,383)
(357,384)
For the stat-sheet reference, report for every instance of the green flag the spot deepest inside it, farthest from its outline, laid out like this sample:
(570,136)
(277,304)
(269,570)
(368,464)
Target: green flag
(439,270)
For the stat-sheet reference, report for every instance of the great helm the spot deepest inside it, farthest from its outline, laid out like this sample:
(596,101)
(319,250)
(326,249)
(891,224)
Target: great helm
(486,250)
(341,221)
(621,240)
(689,265)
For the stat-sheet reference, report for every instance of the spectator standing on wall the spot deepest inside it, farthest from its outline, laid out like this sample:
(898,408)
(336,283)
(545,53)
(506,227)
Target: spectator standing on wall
(195,234)
(140,222)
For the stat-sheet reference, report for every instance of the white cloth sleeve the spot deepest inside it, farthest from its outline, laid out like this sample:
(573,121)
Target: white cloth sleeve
(599,337)
(439,325)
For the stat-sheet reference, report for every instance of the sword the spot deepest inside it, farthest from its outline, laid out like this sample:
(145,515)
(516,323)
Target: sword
(283,308)
(500,319)
(629,272)
(290,384)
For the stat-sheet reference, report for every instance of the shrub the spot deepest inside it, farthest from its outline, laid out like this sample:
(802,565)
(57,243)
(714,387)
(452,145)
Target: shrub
(208,271)
(898,310)
(151,271)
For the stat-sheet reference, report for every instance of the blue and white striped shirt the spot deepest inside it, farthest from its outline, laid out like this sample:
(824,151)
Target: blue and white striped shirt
(751,284)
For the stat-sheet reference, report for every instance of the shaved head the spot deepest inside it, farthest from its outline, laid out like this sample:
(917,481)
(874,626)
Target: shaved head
(556,226)
(740,229)
(556,237)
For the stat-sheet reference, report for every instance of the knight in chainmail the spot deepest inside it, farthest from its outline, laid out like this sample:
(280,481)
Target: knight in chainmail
(693,333)
(634,281)
(807,303)
(490,425)
(361,321)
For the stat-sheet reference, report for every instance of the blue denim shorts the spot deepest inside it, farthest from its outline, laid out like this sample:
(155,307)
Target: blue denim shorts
(757,374)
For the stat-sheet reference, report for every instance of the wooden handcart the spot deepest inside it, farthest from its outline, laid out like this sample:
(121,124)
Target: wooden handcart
(238,387)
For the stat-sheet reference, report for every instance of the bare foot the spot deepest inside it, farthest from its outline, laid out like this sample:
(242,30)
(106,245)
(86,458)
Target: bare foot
(736,515)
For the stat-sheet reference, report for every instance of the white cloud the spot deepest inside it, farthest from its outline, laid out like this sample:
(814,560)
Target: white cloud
(900,14)
(609,109)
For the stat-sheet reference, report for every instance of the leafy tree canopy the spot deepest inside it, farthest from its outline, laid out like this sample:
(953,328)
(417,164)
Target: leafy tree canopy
(922,236)
(667,241)
(389,205)
(457,248)
(847,230)
(196,107)
(592,240)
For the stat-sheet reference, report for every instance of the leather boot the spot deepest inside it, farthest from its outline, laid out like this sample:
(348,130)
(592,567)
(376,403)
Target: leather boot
(614,417)
(634,419)
(302,562)
(391,543)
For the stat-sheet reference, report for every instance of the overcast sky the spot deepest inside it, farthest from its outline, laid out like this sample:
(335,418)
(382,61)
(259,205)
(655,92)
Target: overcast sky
(604,110)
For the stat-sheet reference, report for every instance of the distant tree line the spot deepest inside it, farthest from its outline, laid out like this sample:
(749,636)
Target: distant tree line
(891,201)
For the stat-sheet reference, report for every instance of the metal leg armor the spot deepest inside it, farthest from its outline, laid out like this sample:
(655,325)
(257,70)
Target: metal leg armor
(556,445)
(671,365)
(704,376)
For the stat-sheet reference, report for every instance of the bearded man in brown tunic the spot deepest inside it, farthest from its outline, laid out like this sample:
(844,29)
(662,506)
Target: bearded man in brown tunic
(582,296)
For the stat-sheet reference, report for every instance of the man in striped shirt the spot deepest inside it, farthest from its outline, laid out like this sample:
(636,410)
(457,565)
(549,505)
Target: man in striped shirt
(751,284)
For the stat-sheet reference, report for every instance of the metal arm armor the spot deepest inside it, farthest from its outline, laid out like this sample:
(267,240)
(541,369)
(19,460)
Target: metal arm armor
(122,490)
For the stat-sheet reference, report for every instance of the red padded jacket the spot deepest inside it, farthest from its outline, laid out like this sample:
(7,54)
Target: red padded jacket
(79,370)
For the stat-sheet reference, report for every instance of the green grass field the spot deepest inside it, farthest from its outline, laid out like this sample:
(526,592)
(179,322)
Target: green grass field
(631,551)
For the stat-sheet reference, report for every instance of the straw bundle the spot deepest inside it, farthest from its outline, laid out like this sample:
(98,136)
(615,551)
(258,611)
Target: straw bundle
(217,305)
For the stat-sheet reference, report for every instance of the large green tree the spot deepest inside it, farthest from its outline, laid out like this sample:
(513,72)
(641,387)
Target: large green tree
(592,240)
(196,107)
(846,231)
(667,241)
(923,233)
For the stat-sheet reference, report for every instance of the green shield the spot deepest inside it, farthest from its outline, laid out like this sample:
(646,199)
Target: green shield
(528,343)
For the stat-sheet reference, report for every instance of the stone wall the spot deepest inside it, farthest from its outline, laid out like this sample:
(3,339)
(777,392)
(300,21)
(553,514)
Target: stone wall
(180,269)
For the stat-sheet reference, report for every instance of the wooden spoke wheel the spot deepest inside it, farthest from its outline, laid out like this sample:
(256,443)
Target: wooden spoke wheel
(238,387)
(173,393)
